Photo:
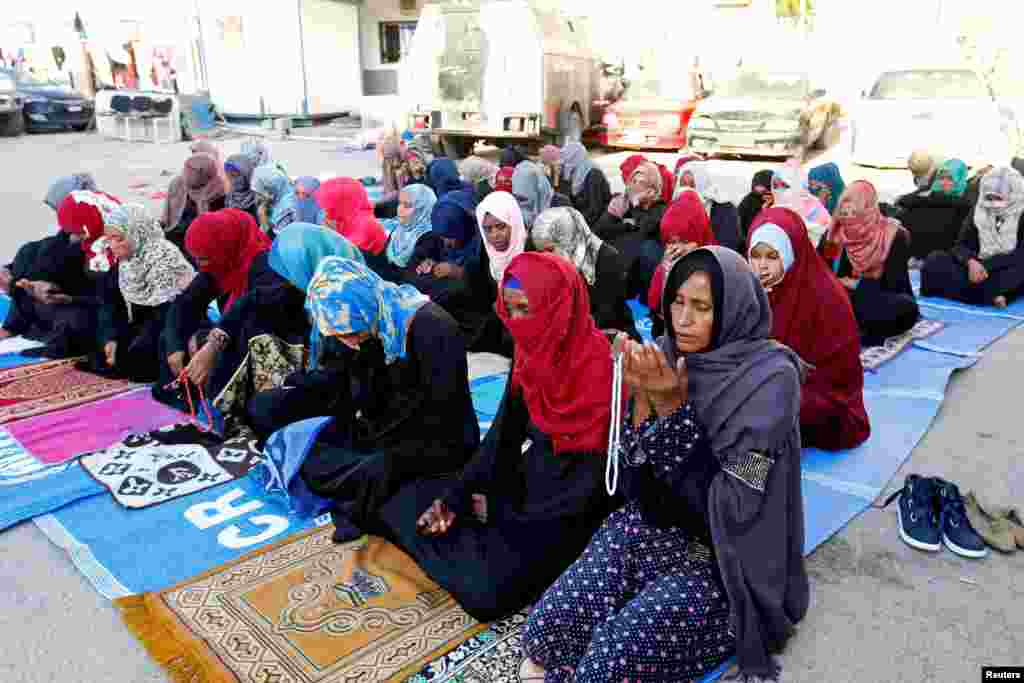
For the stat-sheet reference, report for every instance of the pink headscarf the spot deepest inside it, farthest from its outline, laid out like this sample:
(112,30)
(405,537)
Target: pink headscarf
(505,208)
(863,231)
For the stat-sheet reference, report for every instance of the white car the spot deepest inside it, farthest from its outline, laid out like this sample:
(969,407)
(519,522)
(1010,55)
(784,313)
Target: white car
(951,112)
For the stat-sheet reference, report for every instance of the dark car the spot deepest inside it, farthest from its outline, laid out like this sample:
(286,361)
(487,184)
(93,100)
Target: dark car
(51,106)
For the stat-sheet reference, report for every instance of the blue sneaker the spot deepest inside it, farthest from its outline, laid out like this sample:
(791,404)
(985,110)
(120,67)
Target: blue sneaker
(957,533)
(918,514)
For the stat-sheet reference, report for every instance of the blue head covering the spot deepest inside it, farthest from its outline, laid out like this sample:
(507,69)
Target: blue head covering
(271,181)
(443,176)
(297,252)
(306,208)
(828,174)
(533,190)
(346,297)
(454,218)
(956,170)
(404,236)
(576,165)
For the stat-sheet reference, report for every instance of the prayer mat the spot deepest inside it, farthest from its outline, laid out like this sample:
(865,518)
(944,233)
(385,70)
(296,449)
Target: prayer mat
(140,471)
(45,387)
(270,360)
(873,357)
(305,610)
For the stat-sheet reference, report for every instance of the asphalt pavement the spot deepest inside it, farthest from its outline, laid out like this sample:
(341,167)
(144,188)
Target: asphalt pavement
(880,611)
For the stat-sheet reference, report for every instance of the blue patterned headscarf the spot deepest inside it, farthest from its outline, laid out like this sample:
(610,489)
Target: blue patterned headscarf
(404,236)
(271,181)
(346,297)
(828,174)
(297,252)
(306,208)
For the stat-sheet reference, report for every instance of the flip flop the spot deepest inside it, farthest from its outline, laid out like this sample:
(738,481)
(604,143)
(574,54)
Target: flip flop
(526,675)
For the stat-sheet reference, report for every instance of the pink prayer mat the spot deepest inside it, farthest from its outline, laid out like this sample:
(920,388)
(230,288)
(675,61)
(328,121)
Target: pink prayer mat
(65,434)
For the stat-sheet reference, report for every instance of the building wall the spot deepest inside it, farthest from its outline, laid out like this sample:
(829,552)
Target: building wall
(381,104)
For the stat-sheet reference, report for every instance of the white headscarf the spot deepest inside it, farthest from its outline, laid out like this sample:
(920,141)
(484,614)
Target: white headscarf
(504,207)
(705,186)
(998,220)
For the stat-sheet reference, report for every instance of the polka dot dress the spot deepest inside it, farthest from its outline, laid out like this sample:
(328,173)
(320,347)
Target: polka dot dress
(642,603)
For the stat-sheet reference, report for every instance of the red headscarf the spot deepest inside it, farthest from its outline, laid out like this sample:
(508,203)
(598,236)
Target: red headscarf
(629,166)
(685,221)
(503,181)
(867,235)
(811,314)
(230,239)
(79,218)
(563,363)
(345,202)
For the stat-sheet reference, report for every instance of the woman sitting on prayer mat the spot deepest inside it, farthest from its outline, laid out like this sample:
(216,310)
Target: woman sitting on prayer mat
(201,188)
(986,265)
(584,183)
(239,169)
(705,560)
(550,159)
(684,227)
(935,215)
(533,191)
(759,197)
(276,199)
(438,266)
(347,209)
(812,314)
(307,210)
(144,274)
(481,174)
(407,413)
(826,183)
(789,191)
(869,253)
(231,252)
(695,177)
(632,224)
(410,239)
(393,176)
(523,509)
(309,392)
(564,231)
(53,297)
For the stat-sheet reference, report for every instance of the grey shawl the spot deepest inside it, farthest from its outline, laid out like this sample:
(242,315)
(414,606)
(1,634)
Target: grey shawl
(576,165)
(65,185)
(746,392)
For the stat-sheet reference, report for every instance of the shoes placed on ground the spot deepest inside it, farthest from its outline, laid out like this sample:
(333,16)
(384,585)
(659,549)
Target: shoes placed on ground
(1016,525)
(918,514)
(957,533)
(997,531)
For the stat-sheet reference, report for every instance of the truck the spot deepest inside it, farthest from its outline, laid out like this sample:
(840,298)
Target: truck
(12,120)
(500,72)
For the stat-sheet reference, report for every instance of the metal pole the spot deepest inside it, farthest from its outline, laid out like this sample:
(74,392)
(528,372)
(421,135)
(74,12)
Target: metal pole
(302,61)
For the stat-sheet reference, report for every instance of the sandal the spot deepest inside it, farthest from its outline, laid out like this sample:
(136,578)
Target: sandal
(528,672)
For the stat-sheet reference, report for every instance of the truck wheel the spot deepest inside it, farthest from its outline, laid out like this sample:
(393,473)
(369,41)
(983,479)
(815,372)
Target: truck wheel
(457,147)
(13,125)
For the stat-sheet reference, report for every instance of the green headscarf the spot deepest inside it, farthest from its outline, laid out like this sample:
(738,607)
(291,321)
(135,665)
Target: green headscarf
(957,171)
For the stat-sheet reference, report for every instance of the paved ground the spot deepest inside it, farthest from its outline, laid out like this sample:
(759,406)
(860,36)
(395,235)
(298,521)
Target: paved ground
(880,611)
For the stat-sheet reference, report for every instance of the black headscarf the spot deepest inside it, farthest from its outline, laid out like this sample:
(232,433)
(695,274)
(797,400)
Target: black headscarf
(745,390)
(753,202)
(512,156)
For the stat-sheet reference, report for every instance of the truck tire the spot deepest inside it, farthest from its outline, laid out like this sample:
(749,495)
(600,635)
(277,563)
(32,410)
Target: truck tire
(457,147)
(12,125)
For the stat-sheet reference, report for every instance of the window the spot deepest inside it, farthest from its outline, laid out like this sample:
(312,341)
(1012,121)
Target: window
(395,39)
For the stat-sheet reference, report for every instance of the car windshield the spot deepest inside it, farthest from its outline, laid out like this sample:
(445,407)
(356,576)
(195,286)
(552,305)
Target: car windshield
(32,81)
(675,86)
(777,86)
(927,85)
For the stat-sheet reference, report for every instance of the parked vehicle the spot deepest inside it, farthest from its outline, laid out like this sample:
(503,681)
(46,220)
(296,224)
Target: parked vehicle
(49,105)
(950,111)
(11,121)
(764,113)
(499,71)
(652,112)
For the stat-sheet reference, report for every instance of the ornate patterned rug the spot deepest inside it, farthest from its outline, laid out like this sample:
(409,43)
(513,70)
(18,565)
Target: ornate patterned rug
(491,656)
(45,387)
(873,357)
(269,361)
(302,611)
(140,471)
